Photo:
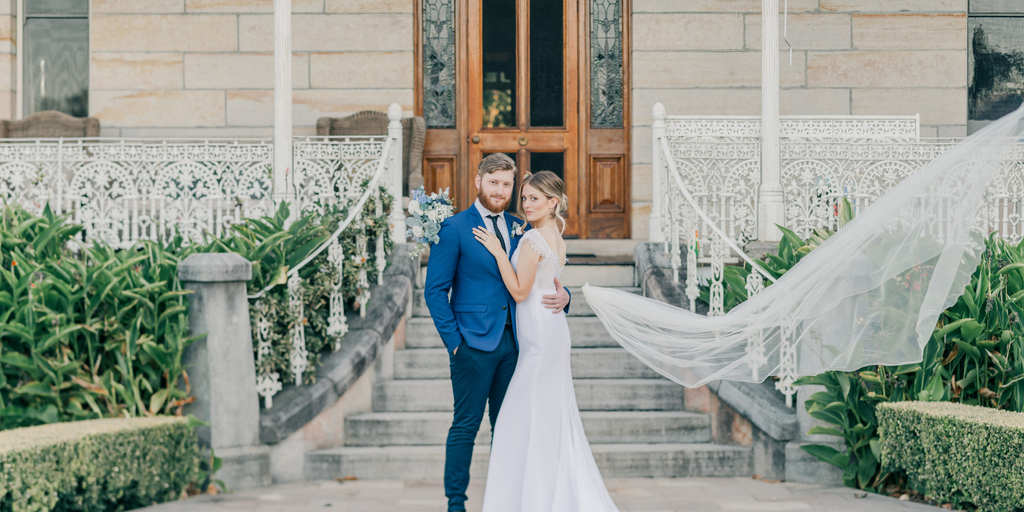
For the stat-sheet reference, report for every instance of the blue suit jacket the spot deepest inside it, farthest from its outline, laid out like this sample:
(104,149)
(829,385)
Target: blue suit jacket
(479,299)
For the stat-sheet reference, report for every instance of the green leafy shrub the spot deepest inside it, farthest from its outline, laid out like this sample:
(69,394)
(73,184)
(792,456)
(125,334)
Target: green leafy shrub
(975,356)
(87,333)
(108,464)
(273,249)
(964,455)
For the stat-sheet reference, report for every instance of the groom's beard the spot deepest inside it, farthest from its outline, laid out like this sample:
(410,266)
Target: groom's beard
(494,204)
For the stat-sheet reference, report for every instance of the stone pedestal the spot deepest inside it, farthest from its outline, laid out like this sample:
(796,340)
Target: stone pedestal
(221,368)
(801,466)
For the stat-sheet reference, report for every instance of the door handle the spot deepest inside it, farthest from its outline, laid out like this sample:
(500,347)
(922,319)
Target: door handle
(476,139)
(523,140)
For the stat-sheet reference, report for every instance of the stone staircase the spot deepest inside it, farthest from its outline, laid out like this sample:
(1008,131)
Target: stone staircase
(635,420)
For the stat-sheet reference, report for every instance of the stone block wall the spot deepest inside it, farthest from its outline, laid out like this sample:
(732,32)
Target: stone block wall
(165,68)
(850,57)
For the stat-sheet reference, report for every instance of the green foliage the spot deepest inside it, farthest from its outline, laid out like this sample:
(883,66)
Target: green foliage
(109,464)
(87,334)
(975,356)
(970,457)
(274,249)
(209,464)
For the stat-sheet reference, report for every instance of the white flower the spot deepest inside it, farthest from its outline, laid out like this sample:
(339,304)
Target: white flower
(432,215)
(414,207)
(517,230)
(417,231)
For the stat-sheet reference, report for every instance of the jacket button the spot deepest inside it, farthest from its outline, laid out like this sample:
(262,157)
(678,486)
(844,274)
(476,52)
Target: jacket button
(504,308)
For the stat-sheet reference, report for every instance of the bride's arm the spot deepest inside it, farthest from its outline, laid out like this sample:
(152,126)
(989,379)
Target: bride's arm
(519,286)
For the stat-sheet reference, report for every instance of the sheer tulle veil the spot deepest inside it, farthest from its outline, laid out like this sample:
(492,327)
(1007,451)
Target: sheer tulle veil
(871,294)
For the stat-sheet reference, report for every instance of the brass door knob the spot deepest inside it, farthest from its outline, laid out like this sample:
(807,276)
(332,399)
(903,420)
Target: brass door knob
(476,139)
(523,140)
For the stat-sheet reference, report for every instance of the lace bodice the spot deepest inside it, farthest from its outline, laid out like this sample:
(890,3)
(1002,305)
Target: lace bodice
(549,266)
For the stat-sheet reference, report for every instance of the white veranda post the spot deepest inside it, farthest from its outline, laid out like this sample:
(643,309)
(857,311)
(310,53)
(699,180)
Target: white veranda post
(282,99)
(771,209)
(770,200)
(394,181)
(656,226)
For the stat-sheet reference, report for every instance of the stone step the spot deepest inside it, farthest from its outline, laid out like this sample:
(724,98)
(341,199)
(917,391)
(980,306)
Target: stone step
(614,461)
(602,247)
(578,275)
(431,428)
(587,363)
(598,275)
(591,395)
(586,332)
(578,307)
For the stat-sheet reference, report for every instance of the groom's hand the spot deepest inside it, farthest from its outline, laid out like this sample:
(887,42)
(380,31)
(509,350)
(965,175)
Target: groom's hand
(558,301)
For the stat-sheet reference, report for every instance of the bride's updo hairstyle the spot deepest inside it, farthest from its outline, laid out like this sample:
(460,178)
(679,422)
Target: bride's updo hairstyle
(549,185)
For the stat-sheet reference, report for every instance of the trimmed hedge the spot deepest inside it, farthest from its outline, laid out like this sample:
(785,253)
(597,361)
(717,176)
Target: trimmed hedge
(954,453)
(106,464)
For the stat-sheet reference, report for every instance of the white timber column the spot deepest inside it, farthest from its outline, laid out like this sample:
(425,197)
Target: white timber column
(771,210)
(655,229)
(394,177)
(283,171)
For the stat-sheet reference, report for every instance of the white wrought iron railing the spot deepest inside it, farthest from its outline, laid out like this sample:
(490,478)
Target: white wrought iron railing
(350,188)
(707,176)
(126,190)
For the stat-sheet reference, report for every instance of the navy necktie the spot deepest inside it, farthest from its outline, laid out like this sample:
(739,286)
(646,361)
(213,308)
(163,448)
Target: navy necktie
(497,232)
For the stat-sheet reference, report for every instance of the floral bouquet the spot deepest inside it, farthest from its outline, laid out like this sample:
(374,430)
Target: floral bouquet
(426,212)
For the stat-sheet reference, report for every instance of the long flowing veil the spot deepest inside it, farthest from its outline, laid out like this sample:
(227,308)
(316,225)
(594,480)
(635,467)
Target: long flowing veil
(871,294)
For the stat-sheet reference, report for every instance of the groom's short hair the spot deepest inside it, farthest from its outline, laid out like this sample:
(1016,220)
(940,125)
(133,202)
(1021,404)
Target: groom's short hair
(496,162)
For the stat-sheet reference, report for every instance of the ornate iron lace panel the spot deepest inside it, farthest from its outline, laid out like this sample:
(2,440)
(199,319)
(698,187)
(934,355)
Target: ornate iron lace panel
(127,190)
(439,63)
(331,170)
(805,128)
(816,176)
(606,64)
(123,191)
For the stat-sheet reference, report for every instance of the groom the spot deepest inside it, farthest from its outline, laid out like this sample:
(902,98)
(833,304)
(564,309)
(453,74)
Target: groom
(477,322)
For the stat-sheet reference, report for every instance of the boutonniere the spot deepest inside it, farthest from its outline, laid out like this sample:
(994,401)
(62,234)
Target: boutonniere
(517,230)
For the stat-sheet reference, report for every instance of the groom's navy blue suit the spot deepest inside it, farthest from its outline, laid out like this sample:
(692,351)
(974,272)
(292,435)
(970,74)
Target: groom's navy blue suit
(478,319)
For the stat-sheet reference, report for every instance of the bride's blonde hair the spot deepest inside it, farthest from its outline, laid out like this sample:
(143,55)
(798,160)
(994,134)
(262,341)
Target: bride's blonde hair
(549,185)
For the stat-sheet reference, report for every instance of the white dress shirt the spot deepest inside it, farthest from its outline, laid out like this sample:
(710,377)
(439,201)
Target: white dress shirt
(502,226)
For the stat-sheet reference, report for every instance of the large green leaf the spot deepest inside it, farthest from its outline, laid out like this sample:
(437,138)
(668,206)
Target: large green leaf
(36,389)
(827,454)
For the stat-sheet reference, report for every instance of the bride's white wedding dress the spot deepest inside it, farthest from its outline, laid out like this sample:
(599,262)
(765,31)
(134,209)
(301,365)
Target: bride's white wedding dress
(540,459)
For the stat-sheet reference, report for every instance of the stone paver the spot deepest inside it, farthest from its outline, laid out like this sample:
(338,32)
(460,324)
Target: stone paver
(630,494)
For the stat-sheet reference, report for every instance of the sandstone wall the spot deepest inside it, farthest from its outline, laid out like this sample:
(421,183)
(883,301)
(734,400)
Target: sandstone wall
(206,67)
(849,57)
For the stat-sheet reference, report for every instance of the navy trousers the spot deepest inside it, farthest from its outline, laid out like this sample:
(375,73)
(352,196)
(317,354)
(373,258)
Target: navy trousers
(477,377)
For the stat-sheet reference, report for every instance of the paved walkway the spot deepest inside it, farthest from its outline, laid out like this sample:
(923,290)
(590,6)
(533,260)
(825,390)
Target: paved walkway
(631,495)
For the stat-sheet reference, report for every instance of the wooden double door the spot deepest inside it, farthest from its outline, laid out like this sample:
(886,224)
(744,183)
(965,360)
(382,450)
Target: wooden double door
(523,89)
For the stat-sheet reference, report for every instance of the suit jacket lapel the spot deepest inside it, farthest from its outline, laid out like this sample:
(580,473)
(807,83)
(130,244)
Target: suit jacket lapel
(513,242)
(473,212)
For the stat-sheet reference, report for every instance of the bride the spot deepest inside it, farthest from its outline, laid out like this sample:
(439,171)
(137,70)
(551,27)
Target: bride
(540,459)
